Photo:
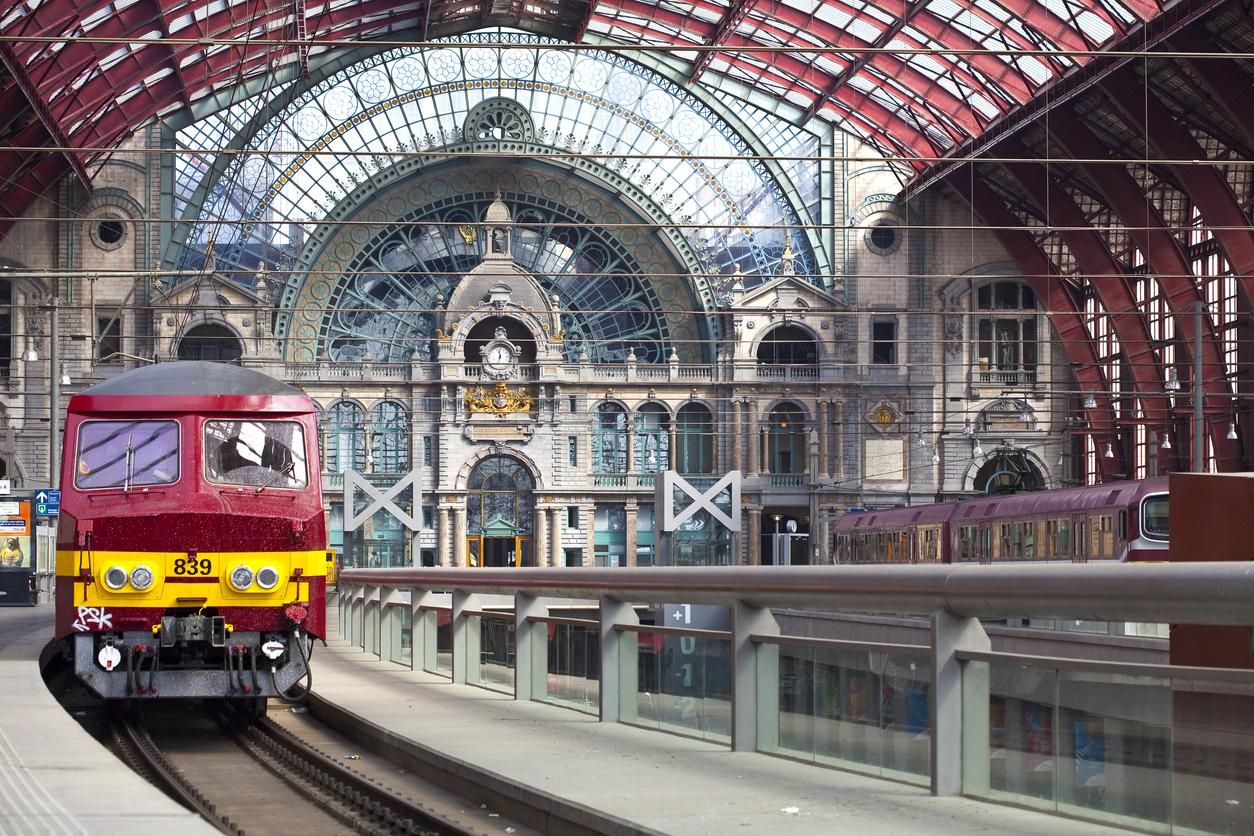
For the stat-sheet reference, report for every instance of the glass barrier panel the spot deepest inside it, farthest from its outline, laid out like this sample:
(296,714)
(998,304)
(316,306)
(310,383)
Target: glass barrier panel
(684,685)
(1021,744)
(855,710)
(442,653)
(1212,756)
(397,623)
(496,653)
(574,667)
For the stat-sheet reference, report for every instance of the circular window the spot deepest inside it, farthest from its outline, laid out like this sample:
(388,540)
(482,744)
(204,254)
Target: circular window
(883,238)
(108,232)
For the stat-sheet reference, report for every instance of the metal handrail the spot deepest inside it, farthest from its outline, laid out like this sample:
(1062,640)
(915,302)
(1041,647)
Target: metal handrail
(1178,593)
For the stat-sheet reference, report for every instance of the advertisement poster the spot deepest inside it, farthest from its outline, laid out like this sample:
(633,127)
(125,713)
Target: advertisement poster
(1090,754)
(15,535)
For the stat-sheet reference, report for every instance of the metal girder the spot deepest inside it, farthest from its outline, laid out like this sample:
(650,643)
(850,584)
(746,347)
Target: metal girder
(1167,261)
(885,38)
(1104,275)
(736,13)
(301,25)
(1064,313)
(1231,91)
(582,29)
(49,122)
(27,184)
(1205,186)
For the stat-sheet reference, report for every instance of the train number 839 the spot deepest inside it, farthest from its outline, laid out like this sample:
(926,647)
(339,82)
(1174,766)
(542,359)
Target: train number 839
(192,566)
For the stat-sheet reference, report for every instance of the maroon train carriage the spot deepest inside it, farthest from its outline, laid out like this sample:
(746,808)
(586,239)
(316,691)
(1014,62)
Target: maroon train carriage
(191,546)
(1115,521)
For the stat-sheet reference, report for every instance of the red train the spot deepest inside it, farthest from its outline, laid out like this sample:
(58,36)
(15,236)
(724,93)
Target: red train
(191,546)
(1116,521)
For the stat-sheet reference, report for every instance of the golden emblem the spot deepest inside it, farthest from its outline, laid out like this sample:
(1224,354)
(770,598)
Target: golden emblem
(469,233)
(883,416)
(500,400)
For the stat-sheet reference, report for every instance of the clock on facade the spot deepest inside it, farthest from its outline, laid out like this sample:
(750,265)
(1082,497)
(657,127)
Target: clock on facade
(500,357)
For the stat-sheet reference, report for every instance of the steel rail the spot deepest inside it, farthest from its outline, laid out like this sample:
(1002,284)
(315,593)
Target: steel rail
(1178,593)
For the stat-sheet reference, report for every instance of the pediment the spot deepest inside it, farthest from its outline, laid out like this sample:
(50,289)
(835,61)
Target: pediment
(787,293)
(210,291)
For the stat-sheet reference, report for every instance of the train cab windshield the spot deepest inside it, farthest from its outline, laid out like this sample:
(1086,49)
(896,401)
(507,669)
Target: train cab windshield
(259,454)
(126,454)
(1154,517)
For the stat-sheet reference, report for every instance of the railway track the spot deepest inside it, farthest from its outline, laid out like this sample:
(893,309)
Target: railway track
(258,777)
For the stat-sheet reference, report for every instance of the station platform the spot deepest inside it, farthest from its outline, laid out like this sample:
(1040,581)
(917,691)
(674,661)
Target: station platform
(622,779)
(54,777)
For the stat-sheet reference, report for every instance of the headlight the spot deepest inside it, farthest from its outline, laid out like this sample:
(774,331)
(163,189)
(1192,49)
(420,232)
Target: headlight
(267,577)
(115,577)
(241,577)
(141,577)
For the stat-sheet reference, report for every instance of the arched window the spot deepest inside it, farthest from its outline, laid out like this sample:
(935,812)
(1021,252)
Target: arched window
(499,492)
(1006,340)
(786,448)
(346,437)
(694,438)
(652,443)
(788,345)
(389,440)
(609,439)
(210,341)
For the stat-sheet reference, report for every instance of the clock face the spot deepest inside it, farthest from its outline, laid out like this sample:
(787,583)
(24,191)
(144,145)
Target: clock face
(498,357)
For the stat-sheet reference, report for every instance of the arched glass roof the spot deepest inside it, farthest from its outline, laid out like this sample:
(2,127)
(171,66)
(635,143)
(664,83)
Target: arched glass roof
(310,151)
(913,78)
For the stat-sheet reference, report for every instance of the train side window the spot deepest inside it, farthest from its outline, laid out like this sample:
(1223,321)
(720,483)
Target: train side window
(1064,539)
(1123,526)
(1029,543)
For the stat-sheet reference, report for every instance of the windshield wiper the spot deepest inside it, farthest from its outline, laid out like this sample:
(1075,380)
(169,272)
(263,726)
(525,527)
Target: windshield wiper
(130,462)
(287,468)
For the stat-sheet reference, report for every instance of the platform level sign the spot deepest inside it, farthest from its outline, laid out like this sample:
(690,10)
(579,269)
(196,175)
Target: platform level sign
(47,503)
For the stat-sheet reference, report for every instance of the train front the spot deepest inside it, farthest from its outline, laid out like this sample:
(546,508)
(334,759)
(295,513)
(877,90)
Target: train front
(191,546)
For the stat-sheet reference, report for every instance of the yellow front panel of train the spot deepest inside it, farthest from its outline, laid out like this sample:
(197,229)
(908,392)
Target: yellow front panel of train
(177,579)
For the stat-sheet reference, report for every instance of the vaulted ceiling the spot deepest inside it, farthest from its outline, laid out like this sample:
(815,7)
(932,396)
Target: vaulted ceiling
(1106,142)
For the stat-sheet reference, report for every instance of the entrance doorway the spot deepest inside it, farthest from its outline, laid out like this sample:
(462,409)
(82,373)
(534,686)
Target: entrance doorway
(498,551)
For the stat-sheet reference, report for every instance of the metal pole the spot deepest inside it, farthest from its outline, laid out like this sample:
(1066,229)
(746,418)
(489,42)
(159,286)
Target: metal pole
(1199,435)
(54,389)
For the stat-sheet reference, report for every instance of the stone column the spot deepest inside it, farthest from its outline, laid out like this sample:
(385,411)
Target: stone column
(459,536)
(821,417)
(764,442)
(442,539)
(751,434)
(630,558)
(631,448)
(540,548)
(736,439)
(589,551)
(753,552)
(555,537)
(672,450)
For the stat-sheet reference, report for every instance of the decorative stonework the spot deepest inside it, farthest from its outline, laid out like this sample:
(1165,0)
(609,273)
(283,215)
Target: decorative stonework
(884,416)
(500,400)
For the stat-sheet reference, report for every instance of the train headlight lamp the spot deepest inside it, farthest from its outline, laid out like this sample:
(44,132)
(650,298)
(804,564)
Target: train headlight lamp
(141,577)
(241,577)
(115,577)
(267,577)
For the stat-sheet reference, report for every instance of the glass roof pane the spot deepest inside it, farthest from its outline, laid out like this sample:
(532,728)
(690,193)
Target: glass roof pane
(597,100)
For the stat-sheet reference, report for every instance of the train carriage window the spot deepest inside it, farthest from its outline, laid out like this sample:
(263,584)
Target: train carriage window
(1154,517)
(1063,548)
(125,454)
(255,453)
(1029,543)
(1123,526)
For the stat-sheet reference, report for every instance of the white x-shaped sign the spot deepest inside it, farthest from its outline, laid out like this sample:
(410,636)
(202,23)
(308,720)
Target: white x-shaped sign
(671,480)
(354,480)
